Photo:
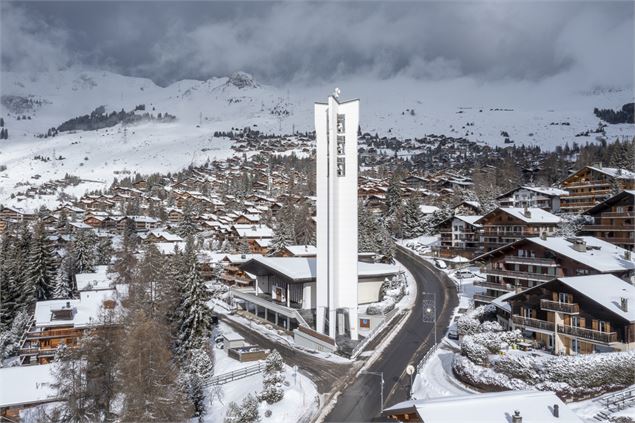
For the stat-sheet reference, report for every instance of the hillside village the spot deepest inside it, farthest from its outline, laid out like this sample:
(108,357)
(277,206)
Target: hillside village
(553,249)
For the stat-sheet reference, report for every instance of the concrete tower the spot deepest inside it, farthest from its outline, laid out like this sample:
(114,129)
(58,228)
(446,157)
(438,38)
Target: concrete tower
(336,126)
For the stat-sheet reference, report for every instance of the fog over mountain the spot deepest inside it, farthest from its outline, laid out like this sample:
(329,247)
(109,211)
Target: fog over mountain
(580,44)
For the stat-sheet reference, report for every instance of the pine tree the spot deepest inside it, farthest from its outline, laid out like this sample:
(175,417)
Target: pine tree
(41,265)
(9,287)
(84,252)
(187,227)
(198,369)
(104,251)
(194,316)
(273,379)
(71,384)
(280,240)
(393,197)
(63,287)
(412,217)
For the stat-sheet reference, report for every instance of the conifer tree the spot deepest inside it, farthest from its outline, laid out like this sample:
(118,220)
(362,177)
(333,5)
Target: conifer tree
(41,265)
(412,217)
(63,286)
(84,252)
(194,315)
(104,251)
(280,240)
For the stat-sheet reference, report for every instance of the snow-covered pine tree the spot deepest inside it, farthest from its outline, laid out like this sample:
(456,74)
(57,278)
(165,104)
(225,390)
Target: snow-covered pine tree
(41,265)
(63,284)
(104,251)
(247,412)
(71,384)
(393,197)
(194,316)
(197,370)
(273,379)
(280,240)
(412,218)
(187,227)
(9,285)
(84,252)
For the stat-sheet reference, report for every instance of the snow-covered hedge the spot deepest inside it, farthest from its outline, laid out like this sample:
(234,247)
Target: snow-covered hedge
(475,321)
(569,376)
(391,291)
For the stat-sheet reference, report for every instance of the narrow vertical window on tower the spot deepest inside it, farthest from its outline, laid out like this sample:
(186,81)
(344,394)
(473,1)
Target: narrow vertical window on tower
(341,166)
(340,124)
(341,144)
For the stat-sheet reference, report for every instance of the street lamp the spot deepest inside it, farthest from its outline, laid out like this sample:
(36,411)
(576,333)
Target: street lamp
(381,387)
(430,311)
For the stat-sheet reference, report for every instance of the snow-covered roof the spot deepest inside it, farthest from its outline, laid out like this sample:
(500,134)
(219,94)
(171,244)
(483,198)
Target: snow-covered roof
(167,248)
(548,191)
(302,250)
(606,290)
(302,269)
(253,231)
(614,172)
(99,279)
(536,215)
(469,219)
(599,255)
(497,407)
(501,302)
(83,311)
(240,258)
(25,385)
(425,209)
(169,237)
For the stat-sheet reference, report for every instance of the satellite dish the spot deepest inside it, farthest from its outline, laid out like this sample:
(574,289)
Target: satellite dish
(410,370)
(336,93)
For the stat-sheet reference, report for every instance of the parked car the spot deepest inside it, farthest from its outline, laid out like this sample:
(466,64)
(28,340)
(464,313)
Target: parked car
(440,264)
(453,332)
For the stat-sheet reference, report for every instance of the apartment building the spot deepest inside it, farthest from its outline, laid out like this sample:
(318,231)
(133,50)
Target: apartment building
(460,235)
(592,185)
(546,198)
(614,220)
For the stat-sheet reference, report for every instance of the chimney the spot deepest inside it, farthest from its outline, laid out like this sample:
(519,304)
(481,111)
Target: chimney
(627,255)
(579,245)
(517,418)
(543,236)
(556,411)
(68,304)
(624,304)
(527,212)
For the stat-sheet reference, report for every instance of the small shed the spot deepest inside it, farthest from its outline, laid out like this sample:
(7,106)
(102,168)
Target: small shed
(233,340)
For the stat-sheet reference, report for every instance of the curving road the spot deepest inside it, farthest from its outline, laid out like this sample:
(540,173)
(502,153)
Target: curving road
(360,401)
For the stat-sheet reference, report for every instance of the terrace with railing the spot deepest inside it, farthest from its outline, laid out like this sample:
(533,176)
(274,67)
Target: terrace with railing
(567,308)
(535,261)
(518,275)
(528,322)
(589,334)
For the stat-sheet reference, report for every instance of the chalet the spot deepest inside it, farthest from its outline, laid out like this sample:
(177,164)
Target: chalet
(25,386)
(578,315)
(233,274)
(614,220)
(545,198)
(71,211)
(141,184)
(504,225)
(496,407)
(285,285)
(17,214)
(99,220)
(414,181)
(467,207)
(175,215)
(247,219)
(532,261)
(141,223)
(156,236)
(251,233)
(593,184)
(460,235)
(299,251)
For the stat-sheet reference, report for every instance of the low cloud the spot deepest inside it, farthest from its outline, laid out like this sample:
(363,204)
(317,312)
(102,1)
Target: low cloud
(589,42)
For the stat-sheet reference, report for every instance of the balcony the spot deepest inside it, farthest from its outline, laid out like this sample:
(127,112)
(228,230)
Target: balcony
(567,308)
(495,286)
(533,323)
(612,228)
(518,275)
(484,298)
(535,261)
(625,215)
(589,334)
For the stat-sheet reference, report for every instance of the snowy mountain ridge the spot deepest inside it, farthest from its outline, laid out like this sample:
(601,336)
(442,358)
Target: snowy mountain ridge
(546,114)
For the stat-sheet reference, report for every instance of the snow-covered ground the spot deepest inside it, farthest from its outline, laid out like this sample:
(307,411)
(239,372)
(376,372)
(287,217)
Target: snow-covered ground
(525,111)
(300,400)
(588,409)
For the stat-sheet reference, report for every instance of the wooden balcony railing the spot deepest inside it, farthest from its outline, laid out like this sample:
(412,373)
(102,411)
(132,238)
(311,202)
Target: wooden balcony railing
(533,323)
(567,308)
(495,286)
(613,228)
(484,298)
(518,275)
(590,334)
(535,261)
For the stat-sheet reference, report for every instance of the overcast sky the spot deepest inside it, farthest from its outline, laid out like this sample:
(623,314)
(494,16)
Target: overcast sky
(280,42)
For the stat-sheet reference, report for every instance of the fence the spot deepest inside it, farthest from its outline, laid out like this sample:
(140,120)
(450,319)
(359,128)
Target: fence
(427,357)
(237,374)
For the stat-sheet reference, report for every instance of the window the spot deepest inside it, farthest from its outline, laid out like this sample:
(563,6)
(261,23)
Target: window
(603,326)
(341,166)
(563,297)
(341,145)
(575,321)
(575,346)
(341,127)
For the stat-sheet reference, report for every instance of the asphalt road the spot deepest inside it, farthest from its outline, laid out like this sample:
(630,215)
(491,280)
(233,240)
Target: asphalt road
(361,400)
